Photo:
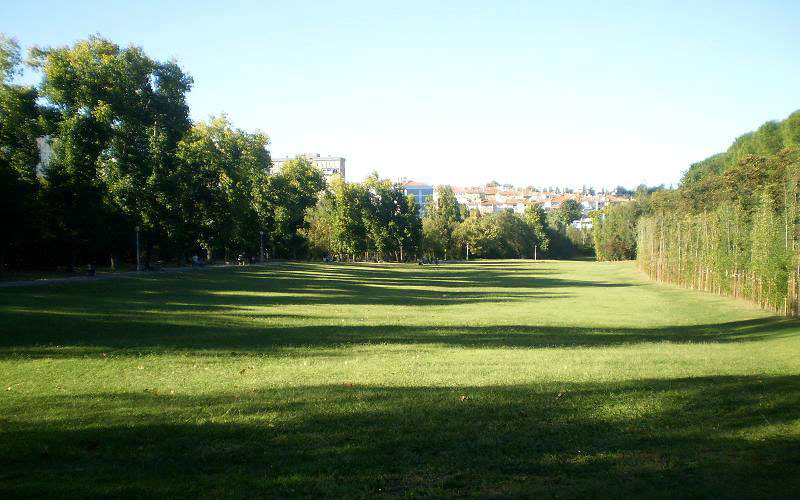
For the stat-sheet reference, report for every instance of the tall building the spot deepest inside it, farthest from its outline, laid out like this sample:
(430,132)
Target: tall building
(329,165)
(45,144)
(421,193)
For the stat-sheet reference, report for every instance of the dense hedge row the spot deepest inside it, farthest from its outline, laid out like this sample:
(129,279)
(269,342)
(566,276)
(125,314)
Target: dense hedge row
(732,230)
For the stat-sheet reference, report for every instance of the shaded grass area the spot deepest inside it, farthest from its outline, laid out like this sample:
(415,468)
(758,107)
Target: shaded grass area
(651,438)
(489,380)
(323,306)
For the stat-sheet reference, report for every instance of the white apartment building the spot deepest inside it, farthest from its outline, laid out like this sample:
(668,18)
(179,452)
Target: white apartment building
(329,165)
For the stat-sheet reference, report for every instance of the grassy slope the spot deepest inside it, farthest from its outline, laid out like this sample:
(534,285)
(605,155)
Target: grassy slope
(570,379)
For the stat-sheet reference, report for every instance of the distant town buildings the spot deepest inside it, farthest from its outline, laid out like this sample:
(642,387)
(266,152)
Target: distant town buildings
(488,199)
(330,166)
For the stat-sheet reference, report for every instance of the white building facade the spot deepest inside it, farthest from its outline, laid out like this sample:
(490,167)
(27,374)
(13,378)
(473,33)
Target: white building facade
(331,166)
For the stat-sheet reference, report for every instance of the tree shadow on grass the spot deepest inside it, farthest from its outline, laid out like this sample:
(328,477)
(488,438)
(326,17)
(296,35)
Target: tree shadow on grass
(243,311)
(720,437)
(93,337)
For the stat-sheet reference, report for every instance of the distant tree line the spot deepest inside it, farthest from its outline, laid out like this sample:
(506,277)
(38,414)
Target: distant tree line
(375,220)
(450,230)
(730,228)
(127,160)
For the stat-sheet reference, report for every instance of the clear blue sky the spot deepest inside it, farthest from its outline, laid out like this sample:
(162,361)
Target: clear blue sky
(465,92)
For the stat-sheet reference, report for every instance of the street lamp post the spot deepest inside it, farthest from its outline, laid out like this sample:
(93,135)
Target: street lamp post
(138,265)
(262,246)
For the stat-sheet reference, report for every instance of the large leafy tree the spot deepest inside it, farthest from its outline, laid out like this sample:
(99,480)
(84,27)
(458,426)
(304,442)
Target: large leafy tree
(19,154)
(473,234)
(120,116)
(379,214)
(80,85)
(284,200)
(391,219)
(519,236)
(350,203)
(406,226)
(319,227)
(442,217)
(227,168)
(536,219)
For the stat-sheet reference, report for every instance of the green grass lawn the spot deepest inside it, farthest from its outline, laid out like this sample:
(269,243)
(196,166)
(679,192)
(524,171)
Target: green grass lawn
(489,379)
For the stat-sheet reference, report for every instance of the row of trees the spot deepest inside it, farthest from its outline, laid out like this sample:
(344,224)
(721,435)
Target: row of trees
(127,163)
(376,220)
(373,219)
(732,226)
(452,231)
(126,158)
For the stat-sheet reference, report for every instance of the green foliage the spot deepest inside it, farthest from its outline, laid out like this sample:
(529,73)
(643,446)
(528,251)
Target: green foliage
(734,233)
(501,234)
(711,166)
(442,217)
(614,231)
(19,154)
(319,226)
(790,128)
(229,170)
(350,202)
(768,140)
(568,212)
(118,116)
(581,240)
(125,155)
(559,220)
(289,194)
(10,62)
(536,219)
(374,217)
